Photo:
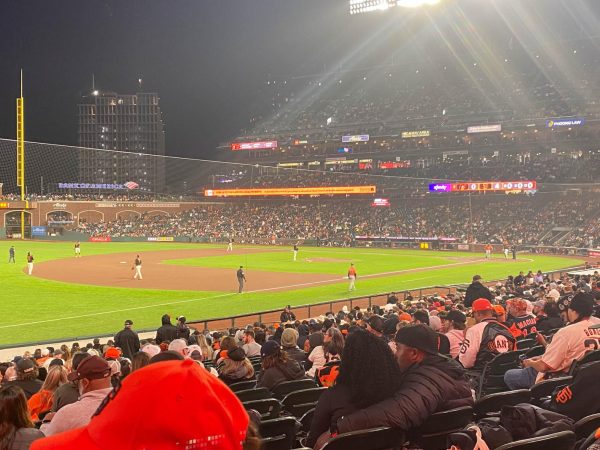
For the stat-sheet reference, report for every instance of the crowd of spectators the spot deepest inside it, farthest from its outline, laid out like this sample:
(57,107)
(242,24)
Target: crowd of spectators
(487,219)
(393,364)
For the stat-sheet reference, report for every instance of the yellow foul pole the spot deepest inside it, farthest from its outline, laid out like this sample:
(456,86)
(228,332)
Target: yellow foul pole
(21,152)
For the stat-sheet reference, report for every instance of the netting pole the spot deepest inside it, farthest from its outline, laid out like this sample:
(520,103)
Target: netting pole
(21,153)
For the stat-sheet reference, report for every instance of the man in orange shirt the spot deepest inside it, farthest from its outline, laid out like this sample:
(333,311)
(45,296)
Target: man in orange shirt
(351,277)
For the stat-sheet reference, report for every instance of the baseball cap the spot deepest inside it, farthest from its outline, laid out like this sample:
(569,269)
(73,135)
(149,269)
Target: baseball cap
(582,304)
(112,353)
(499,309)
(482,304)
(129,322)
(376,322)
(93,368)
(405,317)
(183,406)
(269,348)
(420,337)
(289,338)
(518,303)
(456,316)
(25,365)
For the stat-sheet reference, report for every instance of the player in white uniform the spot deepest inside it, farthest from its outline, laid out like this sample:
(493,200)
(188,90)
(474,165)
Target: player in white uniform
(137,265)
(506,252)
(295,251)
(230,245)
(77,249)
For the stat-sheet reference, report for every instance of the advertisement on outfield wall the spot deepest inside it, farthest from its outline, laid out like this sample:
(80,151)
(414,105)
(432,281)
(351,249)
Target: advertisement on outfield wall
(484,128)
(99,239)
(463,247)
(39,231)
(262,145)
(268,192)
(565,122)
(594,253)
(415,134)
(355,138)
(161,239)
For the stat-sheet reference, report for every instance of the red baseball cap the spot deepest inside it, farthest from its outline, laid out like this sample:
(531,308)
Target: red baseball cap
(482,304)
(163,406)
(112,353)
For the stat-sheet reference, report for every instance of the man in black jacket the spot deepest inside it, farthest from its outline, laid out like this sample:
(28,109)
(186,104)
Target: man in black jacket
(477,290)
(168,331)
(430,383)
(127,340)
(287,315)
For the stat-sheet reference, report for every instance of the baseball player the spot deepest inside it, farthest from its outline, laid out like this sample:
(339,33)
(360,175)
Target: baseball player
(11,254)
(241,277)
(77,249)
(488,251)
(230,245)
(137,266)
(29,263)
(351,277)
(295,251)
(506,251)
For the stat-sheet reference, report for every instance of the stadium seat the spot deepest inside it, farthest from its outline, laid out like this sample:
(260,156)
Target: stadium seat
(584,427)
(372,439)
(299,402)
(306,420)
(278,434)
(564,440)
(268,408)
(243,385)
(538,350)
(526,344)
(433,433)
(282,389)
(253,394)
(492,376)
(493,403)
(542,390)
(588,358)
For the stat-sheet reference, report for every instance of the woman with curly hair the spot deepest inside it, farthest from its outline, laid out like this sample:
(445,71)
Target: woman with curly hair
(16,428)
(368,374)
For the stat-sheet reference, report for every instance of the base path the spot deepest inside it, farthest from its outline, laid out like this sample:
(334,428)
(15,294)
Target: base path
(114,270)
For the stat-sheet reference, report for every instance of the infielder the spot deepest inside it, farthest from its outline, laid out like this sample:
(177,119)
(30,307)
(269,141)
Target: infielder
(488,251)
(351,277)
(506,252)
(77,249)
(241,277)
(137,265)
(295,252)
(230,245)
(29,263)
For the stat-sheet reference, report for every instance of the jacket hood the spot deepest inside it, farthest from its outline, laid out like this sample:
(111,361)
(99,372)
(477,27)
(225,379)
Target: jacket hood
(449,366)
(166,319)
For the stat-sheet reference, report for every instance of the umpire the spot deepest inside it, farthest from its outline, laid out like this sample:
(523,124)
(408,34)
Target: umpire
(241,277)
(127,340)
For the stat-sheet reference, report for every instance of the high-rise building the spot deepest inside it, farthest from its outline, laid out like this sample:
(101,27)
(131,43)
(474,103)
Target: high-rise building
(130,124)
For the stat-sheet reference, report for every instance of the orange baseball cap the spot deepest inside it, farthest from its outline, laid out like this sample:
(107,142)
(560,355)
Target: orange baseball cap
(112,353)
(499,310)
(482,304)
(405,317)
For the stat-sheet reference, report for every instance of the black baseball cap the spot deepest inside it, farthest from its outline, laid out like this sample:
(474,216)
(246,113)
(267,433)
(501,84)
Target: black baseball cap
(129,322)
(455,316)
(420,337)
(582,304)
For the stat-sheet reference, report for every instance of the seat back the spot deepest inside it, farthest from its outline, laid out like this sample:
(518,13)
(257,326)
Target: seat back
(299,402)
(372,439)
(526,344)
(492,404)
(586,426)
(564,440)
(588,358)
(306,420)
(268,408)
(282,389)
(242,385)
(538,350)
(253,394)
(492,376)
(433,433)
(543,389)
(278,434)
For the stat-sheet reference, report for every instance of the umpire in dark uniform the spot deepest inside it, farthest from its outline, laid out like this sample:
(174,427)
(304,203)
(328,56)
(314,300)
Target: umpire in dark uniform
(241,277)
(128,340)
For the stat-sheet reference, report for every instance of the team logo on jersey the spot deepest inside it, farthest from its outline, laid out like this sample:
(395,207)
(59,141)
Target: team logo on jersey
(500,344)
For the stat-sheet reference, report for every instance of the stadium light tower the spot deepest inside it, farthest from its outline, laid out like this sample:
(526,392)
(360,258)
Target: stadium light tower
(365,6)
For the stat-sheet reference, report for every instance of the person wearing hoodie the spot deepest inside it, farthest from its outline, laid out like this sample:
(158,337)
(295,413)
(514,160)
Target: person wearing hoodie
(277,367)
(477,290)
(167,332)
(429,383)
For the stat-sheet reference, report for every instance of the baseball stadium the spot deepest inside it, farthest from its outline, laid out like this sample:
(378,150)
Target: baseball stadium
(381,247)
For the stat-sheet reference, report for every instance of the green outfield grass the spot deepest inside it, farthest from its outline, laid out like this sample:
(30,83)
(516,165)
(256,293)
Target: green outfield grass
(34,309)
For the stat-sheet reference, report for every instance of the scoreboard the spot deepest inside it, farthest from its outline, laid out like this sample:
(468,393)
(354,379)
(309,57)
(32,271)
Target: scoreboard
(482,186)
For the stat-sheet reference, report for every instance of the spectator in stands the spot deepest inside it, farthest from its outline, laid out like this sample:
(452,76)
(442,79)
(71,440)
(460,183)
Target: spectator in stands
(205,349)
(232,365)
(167,332)
(68,392)
(94,381)
(139,360)
(289,338)
(568,344)
(429,383)
(477,290)
(27,377)
(519,320)
(368,374)
(549,317)
(331,350)
(453,326)
(182,404)
(315,338)
(486,339)
(251,348)
(16,429)
(183,331)
(41,402)
(128,340)
(277,367)
(287,315)
(375,327)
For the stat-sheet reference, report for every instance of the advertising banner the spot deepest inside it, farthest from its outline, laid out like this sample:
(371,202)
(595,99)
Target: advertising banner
(262,145)
(39,231)
(161,239)
(99,239)
(565,122)
(484,128)
(415,134)
(356,138)
(329,190)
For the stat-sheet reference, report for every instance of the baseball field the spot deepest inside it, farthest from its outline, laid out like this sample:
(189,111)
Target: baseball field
(70,297)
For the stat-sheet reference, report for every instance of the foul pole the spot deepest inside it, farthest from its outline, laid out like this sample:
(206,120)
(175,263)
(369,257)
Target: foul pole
(21,153)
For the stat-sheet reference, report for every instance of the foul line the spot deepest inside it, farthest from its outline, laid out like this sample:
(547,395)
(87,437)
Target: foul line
(374,275)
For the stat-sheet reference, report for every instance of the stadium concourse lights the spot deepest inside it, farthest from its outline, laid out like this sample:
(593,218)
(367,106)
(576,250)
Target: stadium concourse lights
(365,6)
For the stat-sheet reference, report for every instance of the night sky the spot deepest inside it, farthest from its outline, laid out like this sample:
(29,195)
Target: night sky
(207,59)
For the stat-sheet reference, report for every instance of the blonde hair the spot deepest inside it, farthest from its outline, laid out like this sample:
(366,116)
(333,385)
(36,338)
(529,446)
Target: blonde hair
(204,347)
(57,375)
